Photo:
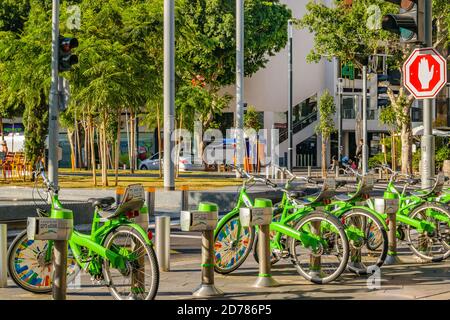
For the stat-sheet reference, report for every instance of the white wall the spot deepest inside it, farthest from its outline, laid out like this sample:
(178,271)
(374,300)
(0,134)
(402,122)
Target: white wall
(267,90)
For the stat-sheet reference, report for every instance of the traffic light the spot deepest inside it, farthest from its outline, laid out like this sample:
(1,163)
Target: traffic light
(378,91)
(66,58)
(409,23)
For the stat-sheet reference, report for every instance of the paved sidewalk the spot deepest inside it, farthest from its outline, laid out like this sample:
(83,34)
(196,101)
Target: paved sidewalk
(409,280)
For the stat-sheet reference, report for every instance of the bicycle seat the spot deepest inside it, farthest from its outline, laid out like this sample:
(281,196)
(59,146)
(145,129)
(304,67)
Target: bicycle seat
(101,202)
(113,211)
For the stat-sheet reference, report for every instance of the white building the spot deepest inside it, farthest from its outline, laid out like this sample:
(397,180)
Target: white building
(267,91)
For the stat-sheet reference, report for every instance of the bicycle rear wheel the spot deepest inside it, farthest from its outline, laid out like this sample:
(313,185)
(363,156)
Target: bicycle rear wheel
(29,268)
(139,280)
(325,262)
(230,249)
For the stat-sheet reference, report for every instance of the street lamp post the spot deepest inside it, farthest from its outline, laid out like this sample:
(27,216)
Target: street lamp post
(290,85)
(239,121)
(169,92)
(365,153)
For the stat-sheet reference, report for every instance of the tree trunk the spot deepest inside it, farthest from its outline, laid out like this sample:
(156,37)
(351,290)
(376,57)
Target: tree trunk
(406,138)
(158,121)
(92,151)
(70,136)
(2,135)
(324,157)
(393,152)
(117,153)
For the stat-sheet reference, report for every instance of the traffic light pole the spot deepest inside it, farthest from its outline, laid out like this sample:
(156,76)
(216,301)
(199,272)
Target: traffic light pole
(54,100)
(59,286)
(290,85)
(169,92)
(428,141)
(365,153)
(239,123)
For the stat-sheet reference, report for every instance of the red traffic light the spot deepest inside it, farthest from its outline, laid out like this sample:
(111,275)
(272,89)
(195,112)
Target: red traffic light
(68,44)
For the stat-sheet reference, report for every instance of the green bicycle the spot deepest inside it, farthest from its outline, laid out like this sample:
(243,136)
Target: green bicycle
(421,220)
(317,240)
(363,226)
(118,252)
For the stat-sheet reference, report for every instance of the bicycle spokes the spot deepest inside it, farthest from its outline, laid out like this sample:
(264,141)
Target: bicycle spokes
(231,244)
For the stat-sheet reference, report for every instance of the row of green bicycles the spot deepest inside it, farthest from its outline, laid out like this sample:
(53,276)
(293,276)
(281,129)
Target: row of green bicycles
(321,230)
(324,231)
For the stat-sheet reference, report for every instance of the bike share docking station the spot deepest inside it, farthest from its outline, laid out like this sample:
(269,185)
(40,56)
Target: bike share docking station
(261,215)
(204,220)
(57,228)
(389,206)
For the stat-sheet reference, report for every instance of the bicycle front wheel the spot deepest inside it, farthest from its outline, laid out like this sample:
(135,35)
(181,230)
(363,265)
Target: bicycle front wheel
(232,245)
(432,246)
(138,279)
(365,232)
(30,265)
(326,260)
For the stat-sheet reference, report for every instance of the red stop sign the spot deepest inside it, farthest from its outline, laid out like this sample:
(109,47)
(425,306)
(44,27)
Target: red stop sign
(425,73)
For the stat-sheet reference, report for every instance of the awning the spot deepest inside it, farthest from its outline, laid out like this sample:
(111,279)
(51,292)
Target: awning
(418,131)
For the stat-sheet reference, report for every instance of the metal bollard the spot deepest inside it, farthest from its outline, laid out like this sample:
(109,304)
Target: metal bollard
(309,171)
(119,193)
(184,198)
(150,201)
(162,239)
(337,170)
(3,255)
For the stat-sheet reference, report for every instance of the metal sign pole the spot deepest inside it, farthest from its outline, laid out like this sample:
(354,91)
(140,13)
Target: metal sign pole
(428,141)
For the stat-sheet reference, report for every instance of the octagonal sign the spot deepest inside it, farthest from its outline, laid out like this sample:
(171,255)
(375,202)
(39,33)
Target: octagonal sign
(425,73)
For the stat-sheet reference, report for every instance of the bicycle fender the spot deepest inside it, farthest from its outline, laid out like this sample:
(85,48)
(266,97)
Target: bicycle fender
(140,230)
(375,213)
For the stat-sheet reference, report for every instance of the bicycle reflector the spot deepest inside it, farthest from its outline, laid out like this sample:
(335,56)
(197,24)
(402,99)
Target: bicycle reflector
(150,235)
(132,214)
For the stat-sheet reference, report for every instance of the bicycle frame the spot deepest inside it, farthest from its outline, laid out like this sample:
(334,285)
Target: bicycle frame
(94,241)
(405,206)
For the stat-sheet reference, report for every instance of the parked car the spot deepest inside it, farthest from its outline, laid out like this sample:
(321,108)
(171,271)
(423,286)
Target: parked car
(152,163)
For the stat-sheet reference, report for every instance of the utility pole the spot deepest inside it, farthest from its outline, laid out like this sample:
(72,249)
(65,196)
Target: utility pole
(239,123)
(54,100)
(169,92)
(365,149)
(428,142)
(290,85)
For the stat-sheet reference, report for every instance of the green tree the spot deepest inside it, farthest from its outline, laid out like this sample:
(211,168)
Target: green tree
(353,32)
(325,127)
(252,119)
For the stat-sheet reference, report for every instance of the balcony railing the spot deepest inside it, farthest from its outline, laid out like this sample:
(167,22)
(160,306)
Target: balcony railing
(298,125)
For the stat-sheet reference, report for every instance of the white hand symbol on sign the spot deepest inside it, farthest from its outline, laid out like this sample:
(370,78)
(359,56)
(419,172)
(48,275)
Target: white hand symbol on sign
(425,74)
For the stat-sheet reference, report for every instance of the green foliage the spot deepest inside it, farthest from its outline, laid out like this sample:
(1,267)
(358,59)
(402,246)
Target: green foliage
(121,58)
(343,32)
(327,110)
(252,119)
(378,160)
